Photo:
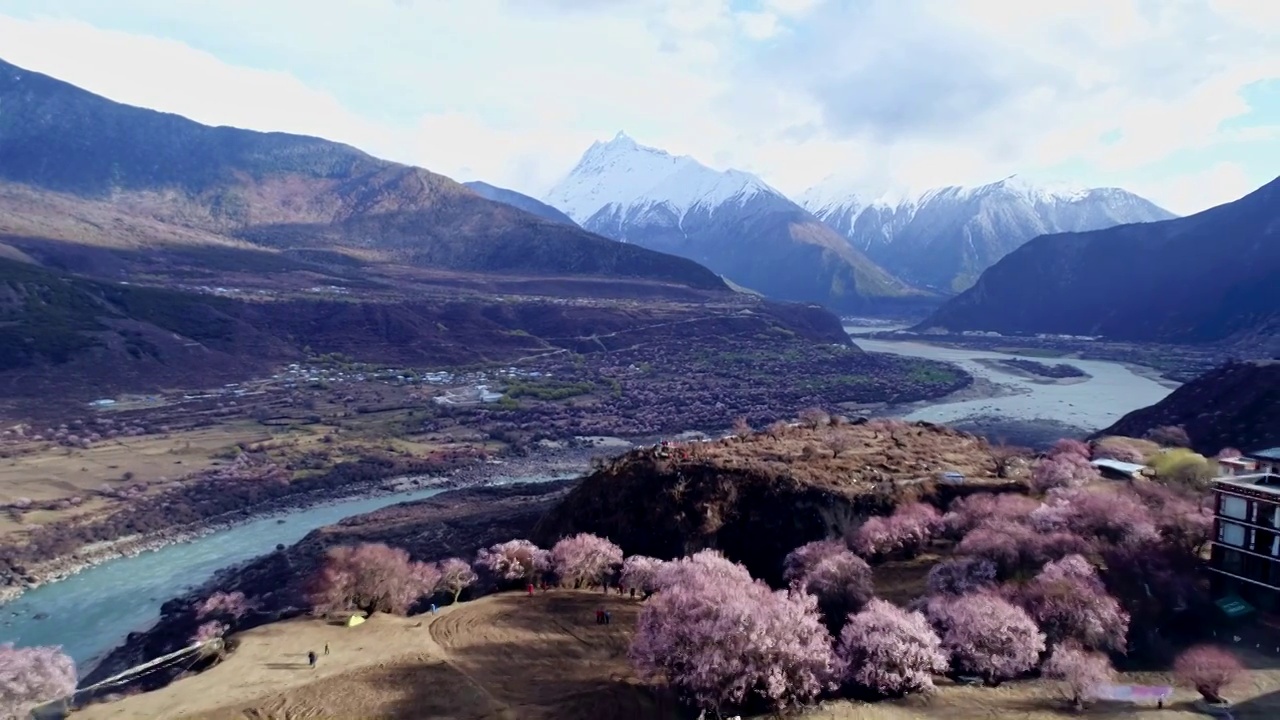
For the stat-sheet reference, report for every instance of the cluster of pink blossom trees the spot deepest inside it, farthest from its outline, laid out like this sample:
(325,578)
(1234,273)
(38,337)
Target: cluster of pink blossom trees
(32,676)
(373,577)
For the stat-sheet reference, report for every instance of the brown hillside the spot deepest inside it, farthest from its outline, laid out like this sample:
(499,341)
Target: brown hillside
(78,167)
(757,498)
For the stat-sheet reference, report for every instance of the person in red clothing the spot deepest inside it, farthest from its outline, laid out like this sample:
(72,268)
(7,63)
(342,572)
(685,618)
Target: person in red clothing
(530,589)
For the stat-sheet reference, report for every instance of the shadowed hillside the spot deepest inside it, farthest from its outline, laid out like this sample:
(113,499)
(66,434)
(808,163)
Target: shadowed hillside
(1208,277)
(1237,405)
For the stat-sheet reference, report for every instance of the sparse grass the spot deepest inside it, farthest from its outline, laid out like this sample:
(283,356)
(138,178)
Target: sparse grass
(836,455)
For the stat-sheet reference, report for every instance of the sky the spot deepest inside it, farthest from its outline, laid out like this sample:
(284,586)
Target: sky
(1177,100)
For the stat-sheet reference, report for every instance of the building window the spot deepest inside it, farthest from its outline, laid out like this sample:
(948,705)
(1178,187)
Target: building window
(1234,507)
(1231,534)
(1233,561)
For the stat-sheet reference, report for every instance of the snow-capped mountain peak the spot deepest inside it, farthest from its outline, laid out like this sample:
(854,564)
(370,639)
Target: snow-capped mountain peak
(625,174)
(944,237)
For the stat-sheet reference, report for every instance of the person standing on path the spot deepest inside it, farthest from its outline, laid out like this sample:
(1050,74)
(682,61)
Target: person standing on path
(326,648)
(607,617)
(311,659)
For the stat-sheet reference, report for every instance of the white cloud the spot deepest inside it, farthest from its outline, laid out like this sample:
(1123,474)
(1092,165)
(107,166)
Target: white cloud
(1184,194)
(892,94)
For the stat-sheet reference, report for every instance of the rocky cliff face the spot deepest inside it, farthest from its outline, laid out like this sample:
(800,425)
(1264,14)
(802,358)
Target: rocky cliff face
(757,499)
(1237,405)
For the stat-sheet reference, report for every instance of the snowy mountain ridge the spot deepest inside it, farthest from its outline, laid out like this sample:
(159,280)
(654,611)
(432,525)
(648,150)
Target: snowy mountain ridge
(943,238)
(624,174)
(729,221)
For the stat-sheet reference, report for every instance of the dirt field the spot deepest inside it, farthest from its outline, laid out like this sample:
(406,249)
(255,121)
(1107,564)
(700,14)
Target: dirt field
(509,657)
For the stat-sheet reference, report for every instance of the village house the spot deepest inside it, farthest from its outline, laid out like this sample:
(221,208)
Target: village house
(1245,557)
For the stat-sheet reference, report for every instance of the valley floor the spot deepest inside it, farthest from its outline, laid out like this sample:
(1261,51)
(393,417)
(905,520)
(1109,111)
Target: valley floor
(511,657)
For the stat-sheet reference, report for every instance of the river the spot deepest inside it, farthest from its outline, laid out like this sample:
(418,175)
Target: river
(1111,390)
(90,613)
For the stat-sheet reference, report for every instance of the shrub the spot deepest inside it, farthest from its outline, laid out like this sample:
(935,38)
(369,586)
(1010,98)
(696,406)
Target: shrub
(456,575)
(1228,453)
(640,572)
(585,559)
(722,640)
(1069,603)
(1169,436)
(1180,466)
(961,576)
(1081,672)
(987,636)
(890,651)
(514,561)
(31,676)
(1208,670)
(826,569)
(371,577)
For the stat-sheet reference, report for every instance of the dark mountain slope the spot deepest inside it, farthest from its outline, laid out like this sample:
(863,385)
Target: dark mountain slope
(519,201)
(1213,276)
(75,151)
(1237,405)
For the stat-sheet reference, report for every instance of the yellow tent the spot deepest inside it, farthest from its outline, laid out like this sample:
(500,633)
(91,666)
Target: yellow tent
(354,620)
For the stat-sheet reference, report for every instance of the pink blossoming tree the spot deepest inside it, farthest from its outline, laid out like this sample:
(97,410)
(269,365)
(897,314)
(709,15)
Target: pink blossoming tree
(514,561)
(704,566)
(32,676)
(456,575)
(585,559)
(1064,470)
(987,636)
(209,631)
(890,651)
(1209,670)
(640,572)
(224,605)
(371,577)
(724,642)
(830,572)
(967,513)
(908,529)
(1069,603)
(961,576)
(1081,672)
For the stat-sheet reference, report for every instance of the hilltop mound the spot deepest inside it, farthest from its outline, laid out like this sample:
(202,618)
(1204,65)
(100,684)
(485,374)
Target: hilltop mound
(758,497)
(1236,405)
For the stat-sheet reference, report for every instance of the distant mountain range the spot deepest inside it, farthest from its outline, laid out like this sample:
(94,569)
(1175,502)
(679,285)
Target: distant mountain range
(79,168)
(519,201)
(1209,277)
(731,222)
(944,238)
